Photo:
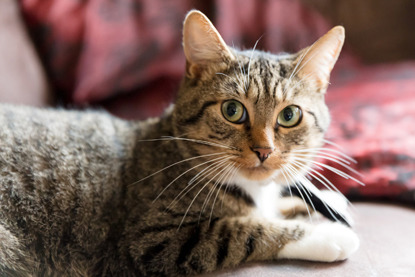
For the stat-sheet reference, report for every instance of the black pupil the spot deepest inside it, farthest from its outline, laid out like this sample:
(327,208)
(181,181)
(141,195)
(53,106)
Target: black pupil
(288,114)
(231,109)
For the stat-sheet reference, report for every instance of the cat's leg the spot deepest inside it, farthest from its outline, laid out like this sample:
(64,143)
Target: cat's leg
(326,242)
(229,242)
(294,207)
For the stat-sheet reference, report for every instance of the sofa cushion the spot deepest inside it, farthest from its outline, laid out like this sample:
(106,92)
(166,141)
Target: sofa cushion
(372,109)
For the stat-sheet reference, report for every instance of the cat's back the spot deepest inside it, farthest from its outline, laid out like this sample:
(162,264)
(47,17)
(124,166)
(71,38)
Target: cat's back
(35,141)
(56,126)
(62,175)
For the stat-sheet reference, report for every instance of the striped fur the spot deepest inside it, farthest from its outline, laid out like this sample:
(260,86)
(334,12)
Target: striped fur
(86,194)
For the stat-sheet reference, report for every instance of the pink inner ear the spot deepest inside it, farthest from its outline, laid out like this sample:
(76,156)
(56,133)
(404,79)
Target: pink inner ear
(201,41)
(317,61)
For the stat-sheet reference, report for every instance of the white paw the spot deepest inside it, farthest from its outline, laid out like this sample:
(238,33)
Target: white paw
(326,242)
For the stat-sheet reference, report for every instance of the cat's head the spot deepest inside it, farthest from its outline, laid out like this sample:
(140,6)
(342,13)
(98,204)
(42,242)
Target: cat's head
(254,108)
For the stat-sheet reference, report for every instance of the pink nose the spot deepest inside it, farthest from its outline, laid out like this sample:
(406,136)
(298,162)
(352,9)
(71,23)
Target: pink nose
(263,152)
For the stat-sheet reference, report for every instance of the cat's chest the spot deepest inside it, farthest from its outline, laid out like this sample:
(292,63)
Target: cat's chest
(265,197)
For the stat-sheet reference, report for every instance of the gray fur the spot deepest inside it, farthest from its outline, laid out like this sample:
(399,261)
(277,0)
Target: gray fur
(79,197)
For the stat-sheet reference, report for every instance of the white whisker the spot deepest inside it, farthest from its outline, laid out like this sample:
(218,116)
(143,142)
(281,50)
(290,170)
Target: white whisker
(206,171)
(212,168)
(306,62)
(215,185)
(250,58)
(233,79)
(176,163)
(297,84)
(243,74)
(170,138)
(322,179)
(316,191)
(306,183)
(323,149)
(239,80)
(291,176)
(301,178)
(287,182)
(226,175)
(195,197)
(329,157)
(335,170)
(175,179)
(229,181)
(297,65)
(333,144)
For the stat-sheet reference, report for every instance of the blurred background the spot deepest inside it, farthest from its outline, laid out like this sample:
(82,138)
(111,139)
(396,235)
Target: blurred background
(126,56)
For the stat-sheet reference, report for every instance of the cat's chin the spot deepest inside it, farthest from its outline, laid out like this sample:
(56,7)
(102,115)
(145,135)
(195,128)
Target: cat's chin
(258,173)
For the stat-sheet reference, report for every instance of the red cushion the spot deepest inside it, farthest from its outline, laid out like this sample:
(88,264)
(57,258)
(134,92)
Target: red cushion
(373,119)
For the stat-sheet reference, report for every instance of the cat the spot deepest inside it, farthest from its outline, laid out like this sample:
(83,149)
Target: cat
(87,194)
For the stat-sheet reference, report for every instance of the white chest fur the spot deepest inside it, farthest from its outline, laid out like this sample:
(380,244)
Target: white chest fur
(264,194)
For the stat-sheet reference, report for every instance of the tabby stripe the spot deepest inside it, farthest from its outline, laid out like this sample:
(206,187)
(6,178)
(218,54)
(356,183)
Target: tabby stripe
(263,74)
(257,86)
(274,91)
(267,80)
(212,223)
(249,247)
(176,214)
(226,136)
(162,228)
(235,87)
(283,70)
(153,251)
(216,128)
(321,130)
(261,69)
(189,245)
(194,119)
(223,245)
(223,134)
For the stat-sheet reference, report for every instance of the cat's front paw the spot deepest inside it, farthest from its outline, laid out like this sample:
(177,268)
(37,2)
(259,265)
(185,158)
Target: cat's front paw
(326,242)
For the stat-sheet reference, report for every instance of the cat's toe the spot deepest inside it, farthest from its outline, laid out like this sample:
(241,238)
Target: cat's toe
(337,242)
(327,242)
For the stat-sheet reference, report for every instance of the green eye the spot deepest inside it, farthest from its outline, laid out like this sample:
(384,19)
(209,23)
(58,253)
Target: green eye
(290,116)
(234,111)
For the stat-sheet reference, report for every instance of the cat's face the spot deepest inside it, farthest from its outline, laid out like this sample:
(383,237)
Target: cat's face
(255,109)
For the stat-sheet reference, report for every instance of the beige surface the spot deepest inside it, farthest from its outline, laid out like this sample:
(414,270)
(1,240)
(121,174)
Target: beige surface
(22,79)
(387,234)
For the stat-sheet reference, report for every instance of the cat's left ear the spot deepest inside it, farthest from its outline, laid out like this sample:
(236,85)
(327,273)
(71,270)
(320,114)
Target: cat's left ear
(203,46)
(316,61)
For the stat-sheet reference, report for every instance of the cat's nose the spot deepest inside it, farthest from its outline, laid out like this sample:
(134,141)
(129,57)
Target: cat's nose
(263,152)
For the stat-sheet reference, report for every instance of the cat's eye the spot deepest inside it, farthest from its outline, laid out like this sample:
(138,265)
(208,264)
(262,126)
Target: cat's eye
(234,111)
(290,116)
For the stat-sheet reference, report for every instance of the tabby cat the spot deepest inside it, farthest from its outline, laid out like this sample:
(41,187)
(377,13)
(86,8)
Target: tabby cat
(87,194)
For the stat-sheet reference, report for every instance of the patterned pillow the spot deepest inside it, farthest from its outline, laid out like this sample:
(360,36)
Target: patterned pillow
(373,119)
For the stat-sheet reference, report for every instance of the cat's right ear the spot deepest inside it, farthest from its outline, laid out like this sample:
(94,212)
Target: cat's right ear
(203,46)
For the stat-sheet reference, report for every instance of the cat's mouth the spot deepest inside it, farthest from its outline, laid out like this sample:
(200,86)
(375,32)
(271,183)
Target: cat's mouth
(259,172)
(259,168)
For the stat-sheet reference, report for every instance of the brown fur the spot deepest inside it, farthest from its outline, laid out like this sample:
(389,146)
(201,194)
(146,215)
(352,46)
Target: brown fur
(80,194)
